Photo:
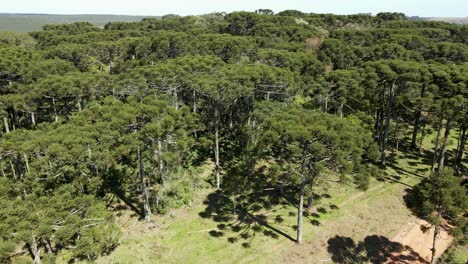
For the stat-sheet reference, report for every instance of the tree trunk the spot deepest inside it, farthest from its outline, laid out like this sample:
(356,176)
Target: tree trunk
(176,101)
(90,153)
(13,170)
(423,135)
(417,120)
(326,104)
(33,119)
(5,123)
(36,252)
(444,145)
(387,124)
(377,127)
(340,110)
(396,135)
(161,163)
(25,157)
(280,189)
(301,197)
(194,101)
(13,120)
(436,232)
(436,145)
(55,109)
(2,170)
(195,108)
(309,202)
(217,147)
(80,107)
(461,147)
(144,192)
(299,212)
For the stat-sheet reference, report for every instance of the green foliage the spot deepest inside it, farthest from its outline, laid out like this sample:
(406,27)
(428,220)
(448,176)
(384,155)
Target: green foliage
(127,111)
(442,197)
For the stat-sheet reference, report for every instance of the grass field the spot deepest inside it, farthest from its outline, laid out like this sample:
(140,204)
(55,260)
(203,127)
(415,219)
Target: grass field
(189,238)
(197,234)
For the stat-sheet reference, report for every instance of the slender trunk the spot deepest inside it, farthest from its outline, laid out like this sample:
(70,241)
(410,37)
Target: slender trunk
(340,110)
(309,202)
(217,146)
(301,197)
(13,170)
(234,204)
(387,124)
(461,147)
(80,107)
(161,163)
(36,251)
(195,108)
(396,135)
(55,109)
(281,186)
(90,153)
(299,212)
(33,119)
(5,123)
(144,192)
(194,101)
(444,144)
(13,120)
(2,170)
(377,127)
(48,246)
(417,120)
(423,135)
(326,104)
(176,103)
(436,232)
(436,145)
(25,157)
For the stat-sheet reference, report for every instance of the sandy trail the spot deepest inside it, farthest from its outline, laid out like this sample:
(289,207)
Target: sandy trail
(418,235)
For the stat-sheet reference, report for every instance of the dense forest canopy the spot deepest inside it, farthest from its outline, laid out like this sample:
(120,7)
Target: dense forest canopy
(131,110)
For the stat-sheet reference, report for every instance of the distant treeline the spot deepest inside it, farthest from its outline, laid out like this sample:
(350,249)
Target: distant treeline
(33,22)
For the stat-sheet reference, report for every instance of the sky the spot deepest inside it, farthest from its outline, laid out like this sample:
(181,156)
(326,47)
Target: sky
(427,8)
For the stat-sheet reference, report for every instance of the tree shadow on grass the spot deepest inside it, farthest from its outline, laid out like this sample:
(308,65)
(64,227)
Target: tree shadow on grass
(373,249)
(244,204)
(241,217)
(113,182)
(401,170)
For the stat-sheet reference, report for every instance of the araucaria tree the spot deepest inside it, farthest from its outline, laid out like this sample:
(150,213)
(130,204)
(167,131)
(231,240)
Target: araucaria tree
(442,200)
(310,145)
(95,118)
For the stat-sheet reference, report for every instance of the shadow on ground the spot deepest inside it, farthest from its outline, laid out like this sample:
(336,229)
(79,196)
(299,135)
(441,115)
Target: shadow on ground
(373,249)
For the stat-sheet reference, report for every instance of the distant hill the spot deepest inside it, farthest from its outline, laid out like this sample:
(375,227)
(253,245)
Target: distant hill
(453,20)
(34,22)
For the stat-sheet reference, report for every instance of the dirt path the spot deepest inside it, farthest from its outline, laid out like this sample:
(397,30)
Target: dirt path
(361,222)
(418,235)
(359,195)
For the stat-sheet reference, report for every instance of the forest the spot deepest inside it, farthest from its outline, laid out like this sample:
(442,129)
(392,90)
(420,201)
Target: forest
(274,109)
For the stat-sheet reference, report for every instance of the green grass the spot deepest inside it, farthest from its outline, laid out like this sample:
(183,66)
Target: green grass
(187,237)
(460,255)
